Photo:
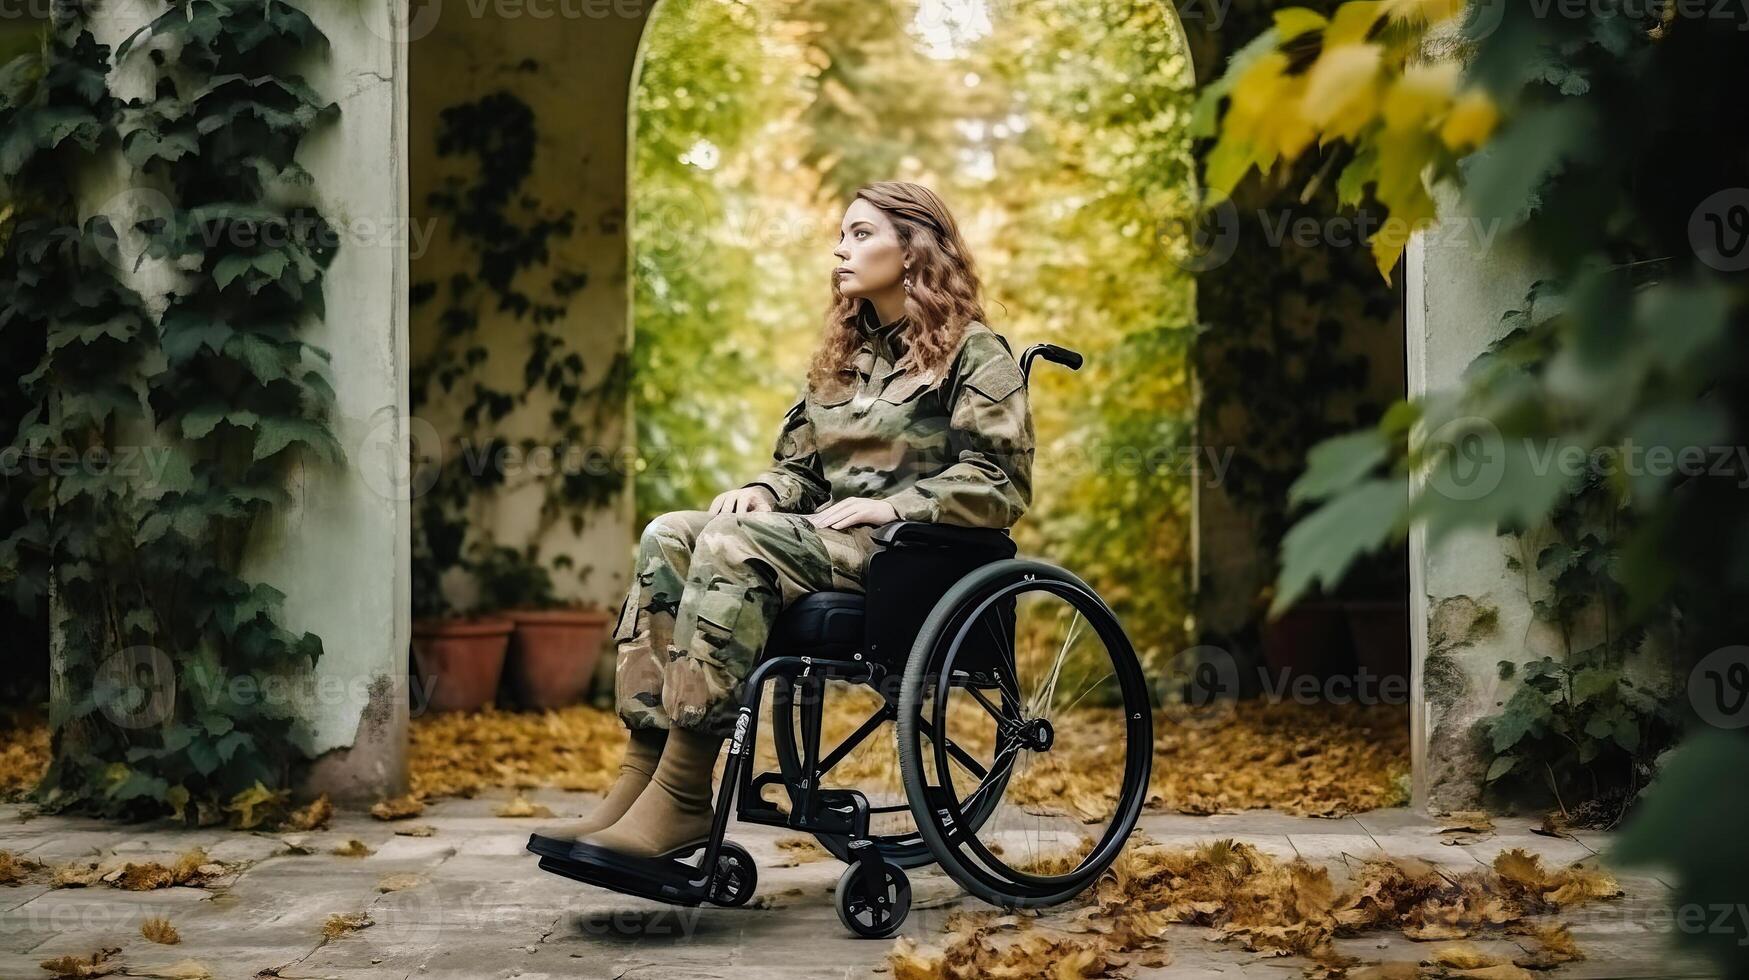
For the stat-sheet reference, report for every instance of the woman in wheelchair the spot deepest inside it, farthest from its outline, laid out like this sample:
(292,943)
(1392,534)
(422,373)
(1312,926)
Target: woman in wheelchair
(875,552)
(913,410)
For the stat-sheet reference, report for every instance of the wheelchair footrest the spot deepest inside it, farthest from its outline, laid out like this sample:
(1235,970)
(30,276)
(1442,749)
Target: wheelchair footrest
(662,879)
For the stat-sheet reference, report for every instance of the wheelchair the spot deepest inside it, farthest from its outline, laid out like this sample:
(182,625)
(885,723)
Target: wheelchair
(1016,744)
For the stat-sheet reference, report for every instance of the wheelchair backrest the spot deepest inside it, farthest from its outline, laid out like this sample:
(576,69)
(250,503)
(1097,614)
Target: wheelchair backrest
(904,581)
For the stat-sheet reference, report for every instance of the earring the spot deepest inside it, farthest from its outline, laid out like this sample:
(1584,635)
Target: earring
(907,279)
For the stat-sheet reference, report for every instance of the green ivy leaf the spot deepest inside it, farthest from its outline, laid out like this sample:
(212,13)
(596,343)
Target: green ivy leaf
(1321,546)
(1337,464)
(277,433)
(1502,765)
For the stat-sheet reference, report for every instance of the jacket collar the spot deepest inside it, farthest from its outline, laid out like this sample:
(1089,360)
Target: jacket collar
(868,324)
(885,340)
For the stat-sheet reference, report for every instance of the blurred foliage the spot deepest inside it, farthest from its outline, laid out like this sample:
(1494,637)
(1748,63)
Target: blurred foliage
(1059,136)
(1619,145)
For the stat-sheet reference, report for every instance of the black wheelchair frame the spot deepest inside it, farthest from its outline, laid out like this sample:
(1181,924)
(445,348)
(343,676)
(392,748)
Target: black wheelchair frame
(861,638)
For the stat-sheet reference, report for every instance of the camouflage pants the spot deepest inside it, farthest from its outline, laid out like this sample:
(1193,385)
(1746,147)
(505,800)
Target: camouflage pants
(704,597)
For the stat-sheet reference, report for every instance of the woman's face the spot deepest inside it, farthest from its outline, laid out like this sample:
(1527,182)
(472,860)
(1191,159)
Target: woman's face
(870,259)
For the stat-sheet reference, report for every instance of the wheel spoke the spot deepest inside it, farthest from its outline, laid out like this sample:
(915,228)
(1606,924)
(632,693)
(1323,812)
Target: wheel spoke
(855,738)
(1048,688)
(959,755)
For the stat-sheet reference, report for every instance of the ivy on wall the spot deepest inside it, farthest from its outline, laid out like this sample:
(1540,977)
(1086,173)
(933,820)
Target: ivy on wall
(184,423)
(510,235)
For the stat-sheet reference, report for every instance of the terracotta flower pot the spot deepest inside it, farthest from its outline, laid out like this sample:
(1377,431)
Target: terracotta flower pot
(460,660)
(552,662)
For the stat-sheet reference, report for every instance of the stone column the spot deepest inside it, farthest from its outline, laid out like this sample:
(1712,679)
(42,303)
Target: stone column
(1467,610)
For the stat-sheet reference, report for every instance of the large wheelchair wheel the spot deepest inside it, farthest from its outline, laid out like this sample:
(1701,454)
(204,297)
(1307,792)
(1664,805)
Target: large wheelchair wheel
(1023,701)
(861,758)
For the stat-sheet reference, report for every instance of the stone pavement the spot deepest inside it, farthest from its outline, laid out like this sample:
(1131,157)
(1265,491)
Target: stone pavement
(479,908)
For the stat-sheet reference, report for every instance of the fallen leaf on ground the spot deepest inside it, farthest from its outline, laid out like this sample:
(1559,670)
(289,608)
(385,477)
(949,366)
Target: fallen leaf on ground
(1468,822)
(1273,907)
(315,816)
(521,807)
(419,830)
(14,869)
(354,848)
(341,923)
(78,874)
(1554,945)
(1464,956)
(1316,760)
(459,753)
(74,967)
(159,930)
(192,869)
(399,881)
(399,808)
(256,805)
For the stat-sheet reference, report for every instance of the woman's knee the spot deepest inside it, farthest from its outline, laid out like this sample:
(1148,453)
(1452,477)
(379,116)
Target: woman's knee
(675,528)
(734,532)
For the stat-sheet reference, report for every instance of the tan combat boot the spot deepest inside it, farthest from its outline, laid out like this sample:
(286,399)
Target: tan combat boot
(643,750)
(674,811)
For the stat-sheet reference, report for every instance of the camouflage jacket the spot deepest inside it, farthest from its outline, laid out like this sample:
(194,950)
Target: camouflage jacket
(953,449)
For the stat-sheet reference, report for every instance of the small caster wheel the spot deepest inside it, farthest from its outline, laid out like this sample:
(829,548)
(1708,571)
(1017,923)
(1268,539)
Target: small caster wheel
(735,878)
(875,919)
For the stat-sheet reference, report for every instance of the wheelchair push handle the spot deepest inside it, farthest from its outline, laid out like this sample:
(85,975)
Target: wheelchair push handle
(1052,353)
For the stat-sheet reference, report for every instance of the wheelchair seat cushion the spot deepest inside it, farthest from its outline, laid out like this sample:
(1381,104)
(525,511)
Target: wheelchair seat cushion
(824,624)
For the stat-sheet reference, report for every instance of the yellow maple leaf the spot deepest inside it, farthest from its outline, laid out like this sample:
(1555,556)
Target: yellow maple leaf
(1353,21)
(1291,22)
(1470,122)
(1342,90)
(1420,97)
(251,806)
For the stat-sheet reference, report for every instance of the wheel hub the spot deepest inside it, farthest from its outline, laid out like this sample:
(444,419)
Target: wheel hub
(1037,735)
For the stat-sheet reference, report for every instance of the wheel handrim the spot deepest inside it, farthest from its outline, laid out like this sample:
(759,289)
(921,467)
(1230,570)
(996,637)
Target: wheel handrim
(1030,717)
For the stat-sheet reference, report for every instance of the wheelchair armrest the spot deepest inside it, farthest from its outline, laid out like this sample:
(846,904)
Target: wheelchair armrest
(904,534)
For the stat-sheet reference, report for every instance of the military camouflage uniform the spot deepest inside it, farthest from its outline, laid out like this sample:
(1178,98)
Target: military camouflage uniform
(954,449)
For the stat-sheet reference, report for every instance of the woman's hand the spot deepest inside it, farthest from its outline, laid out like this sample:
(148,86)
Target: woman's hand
(743,500)
(852,511)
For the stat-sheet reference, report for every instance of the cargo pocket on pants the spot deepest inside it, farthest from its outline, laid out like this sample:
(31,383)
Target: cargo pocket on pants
(847,552)
(719,610)
(628,619)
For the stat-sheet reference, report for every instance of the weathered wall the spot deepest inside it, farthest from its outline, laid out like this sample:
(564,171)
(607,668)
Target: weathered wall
(572,65)
(339,549)
(1468,611)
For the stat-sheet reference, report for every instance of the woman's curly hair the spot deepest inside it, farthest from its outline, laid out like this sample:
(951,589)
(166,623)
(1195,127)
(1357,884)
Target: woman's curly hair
(944,286)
